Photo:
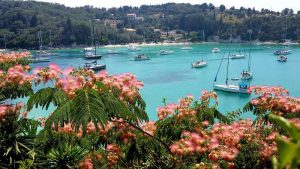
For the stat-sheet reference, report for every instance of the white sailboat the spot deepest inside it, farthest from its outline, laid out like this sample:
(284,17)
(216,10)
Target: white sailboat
(40,55)
(242,87)
(199,64)
(113,50)
(92,54)
(94,66)
(247,74)
(286,44)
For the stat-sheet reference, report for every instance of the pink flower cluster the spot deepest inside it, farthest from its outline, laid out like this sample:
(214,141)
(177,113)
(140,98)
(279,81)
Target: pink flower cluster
(275,99)
(6,110)
(70,80)
(127,84)
(86,164)
(184,107)
(163,112)
(113,155)
(13,57)
(149,127)
(206,96)
(220,143)
(16,75)
(295,121)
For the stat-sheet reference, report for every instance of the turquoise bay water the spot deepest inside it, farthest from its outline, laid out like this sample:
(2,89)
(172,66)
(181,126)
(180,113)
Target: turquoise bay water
(171,76)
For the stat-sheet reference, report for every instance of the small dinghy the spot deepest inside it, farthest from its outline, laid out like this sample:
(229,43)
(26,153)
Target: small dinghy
(281,58)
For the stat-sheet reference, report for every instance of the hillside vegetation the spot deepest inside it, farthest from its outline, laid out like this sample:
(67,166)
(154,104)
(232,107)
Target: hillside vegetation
(20,22)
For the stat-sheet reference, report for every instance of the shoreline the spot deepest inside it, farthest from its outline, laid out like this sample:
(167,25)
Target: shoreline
(156,44)
(183,43)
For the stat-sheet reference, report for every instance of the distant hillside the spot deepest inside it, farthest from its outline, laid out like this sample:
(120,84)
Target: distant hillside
(20,22)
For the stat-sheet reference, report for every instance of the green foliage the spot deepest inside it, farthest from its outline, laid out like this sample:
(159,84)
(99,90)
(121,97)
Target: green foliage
(64,156)
(14,91)
(88,105)
(288,150)
(16,140)
(21,20)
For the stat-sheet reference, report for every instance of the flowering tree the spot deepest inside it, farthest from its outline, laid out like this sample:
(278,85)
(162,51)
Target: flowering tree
(100,121)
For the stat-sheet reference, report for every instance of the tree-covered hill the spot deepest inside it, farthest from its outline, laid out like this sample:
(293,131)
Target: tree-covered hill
(20,22)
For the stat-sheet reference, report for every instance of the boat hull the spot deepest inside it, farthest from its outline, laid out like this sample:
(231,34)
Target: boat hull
(186,48)
(201,65)
(38,60)
(93,56)
(231,89)
(238,57)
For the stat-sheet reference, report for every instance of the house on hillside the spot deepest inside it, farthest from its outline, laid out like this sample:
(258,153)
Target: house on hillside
(134,17)
(112,22)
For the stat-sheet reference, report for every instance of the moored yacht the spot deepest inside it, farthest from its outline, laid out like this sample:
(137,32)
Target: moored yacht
(89,49)
(186,47)
(35,59)
(246,75)
(282,58)
(165,52)
(282,52)
(132,48)
(216,50)
(241,88)
(199,64)
(91,55)
(94,66)
(140,57)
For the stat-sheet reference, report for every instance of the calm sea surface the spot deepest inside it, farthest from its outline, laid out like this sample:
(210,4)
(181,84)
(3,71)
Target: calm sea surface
(171,76)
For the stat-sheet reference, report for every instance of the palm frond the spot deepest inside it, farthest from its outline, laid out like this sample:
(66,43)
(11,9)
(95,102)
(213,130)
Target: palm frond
(45,96)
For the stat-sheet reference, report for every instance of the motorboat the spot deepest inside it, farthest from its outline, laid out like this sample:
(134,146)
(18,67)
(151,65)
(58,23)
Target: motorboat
(282,58)
(94,66)
(216,50)
(165,52)
(246,75)
(282,52)
(92,55)
(140,57)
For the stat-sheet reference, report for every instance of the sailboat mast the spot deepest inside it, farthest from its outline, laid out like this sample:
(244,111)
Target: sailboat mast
(285,36)
(4,37)
(250,43)
(93,33)
(39,36)
(50,39)
(203,35)
(227,70)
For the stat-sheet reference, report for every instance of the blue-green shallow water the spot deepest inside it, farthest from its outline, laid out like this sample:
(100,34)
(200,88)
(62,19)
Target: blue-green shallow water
(171,76)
